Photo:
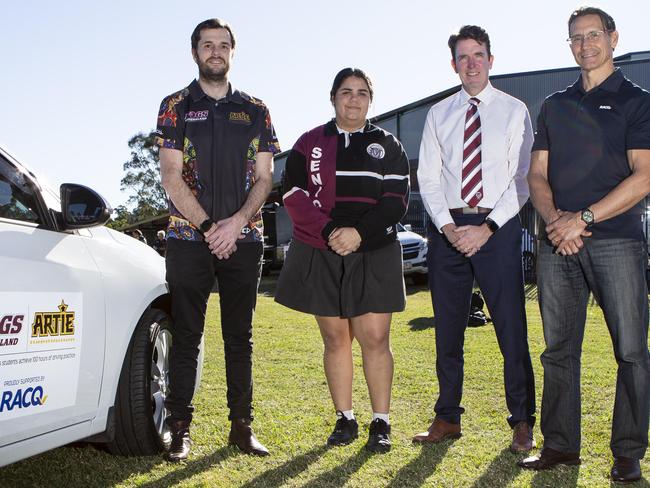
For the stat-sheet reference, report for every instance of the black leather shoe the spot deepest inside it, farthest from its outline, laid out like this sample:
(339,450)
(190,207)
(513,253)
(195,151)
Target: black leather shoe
(626,469)
(242,436)
(179,448)
(548,458)
(379,439)
(345,431)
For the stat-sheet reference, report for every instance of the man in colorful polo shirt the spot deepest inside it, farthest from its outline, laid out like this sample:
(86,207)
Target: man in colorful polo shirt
(216,160)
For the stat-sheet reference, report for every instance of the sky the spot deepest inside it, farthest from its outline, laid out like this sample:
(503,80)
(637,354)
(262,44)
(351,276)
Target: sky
(80,77)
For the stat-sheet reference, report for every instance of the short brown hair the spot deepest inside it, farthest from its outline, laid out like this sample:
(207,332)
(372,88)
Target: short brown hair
(469,32)
(211,24)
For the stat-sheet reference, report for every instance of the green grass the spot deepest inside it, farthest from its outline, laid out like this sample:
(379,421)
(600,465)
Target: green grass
(294,416)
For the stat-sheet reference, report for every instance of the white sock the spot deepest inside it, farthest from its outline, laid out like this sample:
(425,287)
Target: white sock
(348,414)
(383,416)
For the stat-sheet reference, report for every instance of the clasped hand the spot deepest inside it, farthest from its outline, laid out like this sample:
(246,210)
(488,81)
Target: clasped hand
(223,236)
(344,240)
(467,239)
(566,232)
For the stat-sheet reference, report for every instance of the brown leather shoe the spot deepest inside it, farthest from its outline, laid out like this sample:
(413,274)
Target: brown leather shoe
(242,436)
(179,449)
(626,469)
(522,438)
(438,432)
(548,458)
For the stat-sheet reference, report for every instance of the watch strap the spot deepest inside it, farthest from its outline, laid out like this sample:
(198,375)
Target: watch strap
(492,225)
(206,224)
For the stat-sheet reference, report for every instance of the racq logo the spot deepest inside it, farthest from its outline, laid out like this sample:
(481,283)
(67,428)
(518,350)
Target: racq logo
(196,116)
(29,397)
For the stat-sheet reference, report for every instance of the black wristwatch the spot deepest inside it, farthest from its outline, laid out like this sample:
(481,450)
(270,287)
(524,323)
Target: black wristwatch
(206,225)
(587,216)
(492,225)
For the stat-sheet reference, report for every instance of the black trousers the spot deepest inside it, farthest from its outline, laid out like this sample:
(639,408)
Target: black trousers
(191,273)
(497,269)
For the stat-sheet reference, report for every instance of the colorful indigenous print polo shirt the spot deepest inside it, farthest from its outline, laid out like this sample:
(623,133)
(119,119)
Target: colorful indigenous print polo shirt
(220,141)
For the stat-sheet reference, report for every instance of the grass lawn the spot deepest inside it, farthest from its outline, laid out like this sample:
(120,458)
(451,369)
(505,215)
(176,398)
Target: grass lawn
(294,416)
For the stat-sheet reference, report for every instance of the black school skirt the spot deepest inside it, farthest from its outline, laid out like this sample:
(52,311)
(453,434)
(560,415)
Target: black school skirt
(320,282)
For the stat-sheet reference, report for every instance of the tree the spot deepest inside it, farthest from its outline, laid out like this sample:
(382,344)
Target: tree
(142,178)
(121,219)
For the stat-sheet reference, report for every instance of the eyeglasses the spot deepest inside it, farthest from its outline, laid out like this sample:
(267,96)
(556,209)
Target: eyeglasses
(591,36)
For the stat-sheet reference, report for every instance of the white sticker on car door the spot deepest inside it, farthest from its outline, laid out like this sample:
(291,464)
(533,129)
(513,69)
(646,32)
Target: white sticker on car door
(40,345)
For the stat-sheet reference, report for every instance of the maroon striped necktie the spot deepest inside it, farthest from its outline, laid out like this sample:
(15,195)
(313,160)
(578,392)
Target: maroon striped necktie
(471,190)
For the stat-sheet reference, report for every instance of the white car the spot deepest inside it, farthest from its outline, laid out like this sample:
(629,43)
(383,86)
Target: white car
(414,254)
(84,324)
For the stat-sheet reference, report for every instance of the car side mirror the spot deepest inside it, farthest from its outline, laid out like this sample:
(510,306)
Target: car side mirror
(408,227)
(82,207)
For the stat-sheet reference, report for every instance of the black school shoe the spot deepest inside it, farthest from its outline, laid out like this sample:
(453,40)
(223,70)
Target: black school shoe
(379,438)
(345,431)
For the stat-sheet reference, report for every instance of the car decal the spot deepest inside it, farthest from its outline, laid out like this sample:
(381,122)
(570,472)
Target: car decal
(40,348)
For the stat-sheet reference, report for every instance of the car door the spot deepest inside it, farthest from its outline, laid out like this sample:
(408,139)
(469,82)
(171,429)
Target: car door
(52,318)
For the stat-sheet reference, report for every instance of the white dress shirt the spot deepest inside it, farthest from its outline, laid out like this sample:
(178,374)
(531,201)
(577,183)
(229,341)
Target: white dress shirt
(506,141)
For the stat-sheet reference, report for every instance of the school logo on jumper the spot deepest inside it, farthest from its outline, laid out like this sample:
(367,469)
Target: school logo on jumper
(239,117)
(196,116)
(376,150)
(54,324)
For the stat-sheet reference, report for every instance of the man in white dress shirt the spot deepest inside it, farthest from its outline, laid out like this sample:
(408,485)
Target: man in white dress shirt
(474,159)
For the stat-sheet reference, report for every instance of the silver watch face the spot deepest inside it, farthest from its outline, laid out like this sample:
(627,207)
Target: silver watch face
(587,216)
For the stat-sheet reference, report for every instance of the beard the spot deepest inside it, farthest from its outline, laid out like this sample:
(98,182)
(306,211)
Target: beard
(217,74)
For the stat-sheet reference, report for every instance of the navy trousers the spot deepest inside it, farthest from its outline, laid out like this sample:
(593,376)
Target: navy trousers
(498,271)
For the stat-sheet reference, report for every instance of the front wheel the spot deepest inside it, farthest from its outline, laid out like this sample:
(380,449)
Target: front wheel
(140,412)
(420,279)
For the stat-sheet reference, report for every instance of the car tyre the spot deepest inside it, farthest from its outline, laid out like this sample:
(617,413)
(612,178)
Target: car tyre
(420,279)
(140,412)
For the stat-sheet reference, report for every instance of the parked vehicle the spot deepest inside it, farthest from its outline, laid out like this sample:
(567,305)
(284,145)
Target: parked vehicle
(414,254)
(84,324)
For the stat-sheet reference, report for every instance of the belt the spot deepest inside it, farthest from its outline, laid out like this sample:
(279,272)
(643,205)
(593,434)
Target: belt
(470,210)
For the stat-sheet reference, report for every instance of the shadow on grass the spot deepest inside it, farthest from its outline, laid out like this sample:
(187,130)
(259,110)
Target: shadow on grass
(417,471)
(61,467)
(501,471)
(277,477)
(193,467)
(412,289)
(422,323)
(341,474)
(560,476)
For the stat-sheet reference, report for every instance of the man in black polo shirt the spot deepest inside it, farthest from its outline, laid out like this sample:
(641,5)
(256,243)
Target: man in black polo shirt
(589,175)
(216,160)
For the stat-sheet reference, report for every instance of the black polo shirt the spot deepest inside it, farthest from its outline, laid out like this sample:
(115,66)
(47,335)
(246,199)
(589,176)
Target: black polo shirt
(587,135)
(220,140)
